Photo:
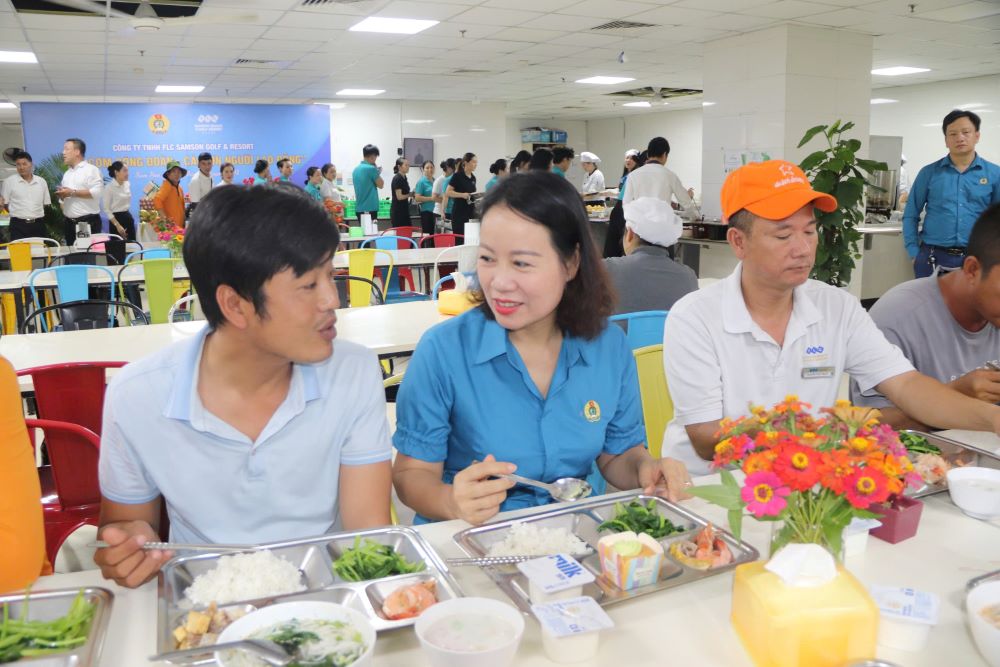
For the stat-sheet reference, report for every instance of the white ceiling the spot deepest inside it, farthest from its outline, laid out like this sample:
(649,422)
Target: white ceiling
(531,51)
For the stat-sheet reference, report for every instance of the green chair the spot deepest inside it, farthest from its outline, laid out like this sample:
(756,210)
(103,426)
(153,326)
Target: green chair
(158,275)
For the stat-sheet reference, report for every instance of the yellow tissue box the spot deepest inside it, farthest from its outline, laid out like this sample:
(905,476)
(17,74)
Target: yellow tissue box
(453,302)
(830,625)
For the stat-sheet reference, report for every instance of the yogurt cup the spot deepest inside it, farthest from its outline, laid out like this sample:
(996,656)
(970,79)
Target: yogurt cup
(552,578)
(571,629)
(907,616)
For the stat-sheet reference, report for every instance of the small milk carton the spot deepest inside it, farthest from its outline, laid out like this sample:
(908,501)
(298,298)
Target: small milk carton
(629,560)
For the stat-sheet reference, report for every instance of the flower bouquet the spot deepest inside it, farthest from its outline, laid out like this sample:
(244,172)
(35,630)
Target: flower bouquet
(812,473)
(169,234)
(335,209)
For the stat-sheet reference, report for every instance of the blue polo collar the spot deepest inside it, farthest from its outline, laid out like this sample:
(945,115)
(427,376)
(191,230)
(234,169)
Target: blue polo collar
(494,342)
(977,163)
(185,402)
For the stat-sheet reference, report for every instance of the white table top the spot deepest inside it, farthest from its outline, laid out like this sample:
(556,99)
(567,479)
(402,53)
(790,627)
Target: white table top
(685,626)
(390,329)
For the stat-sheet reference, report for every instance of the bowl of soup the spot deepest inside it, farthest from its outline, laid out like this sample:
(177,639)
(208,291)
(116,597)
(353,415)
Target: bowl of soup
(470,631)
(982,608)
(976,491)
(313,632)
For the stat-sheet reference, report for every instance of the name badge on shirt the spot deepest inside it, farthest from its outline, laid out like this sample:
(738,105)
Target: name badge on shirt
(984,181)
(812,372)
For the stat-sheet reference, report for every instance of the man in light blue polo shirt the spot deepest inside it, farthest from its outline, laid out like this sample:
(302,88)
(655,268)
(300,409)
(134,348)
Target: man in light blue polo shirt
(243,430)
(367,181)
(955,190)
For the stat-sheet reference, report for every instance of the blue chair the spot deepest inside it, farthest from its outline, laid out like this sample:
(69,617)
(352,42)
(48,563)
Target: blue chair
(72,283)
(438,285)
(392,292)
(148,253)
(643,328)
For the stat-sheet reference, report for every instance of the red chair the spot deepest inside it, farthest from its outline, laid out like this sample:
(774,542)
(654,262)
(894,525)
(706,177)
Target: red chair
(406,232)
(71,493)
(441,240)
(72,392)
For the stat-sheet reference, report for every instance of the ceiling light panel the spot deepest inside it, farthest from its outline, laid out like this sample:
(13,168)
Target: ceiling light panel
(393,26)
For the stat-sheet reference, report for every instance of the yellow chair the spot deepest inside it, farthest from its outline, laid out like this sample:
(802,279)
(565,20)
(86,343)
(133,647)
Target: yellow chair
(657,406)
(20,260)
(361,263)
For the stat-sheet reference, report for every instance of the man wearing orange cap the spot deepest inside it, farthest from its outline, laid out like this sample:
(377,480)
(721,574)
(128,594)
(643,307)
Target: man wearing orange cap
(767,330)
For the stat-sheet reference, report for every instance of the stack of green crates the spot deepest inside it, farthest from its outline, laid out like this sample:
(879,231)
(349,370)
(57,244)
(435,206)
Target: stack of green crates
(349,210)
(383,208)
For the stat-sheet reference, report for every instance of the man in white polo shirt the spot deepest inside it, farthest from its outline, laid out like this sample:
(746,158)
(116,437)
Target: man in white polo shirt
(201,183)
(80,191)
(257,428)
(25,195)
(767,330)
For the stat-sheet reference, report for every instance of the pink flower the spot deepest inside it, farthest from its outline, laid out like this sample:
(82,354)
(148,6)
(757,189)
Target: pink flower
(764,494)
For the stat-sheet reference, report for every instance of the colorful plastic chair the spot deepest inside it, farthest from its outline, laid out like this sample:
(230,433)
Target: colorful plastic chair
(158,275)
(71,392)
(401,232)
(374,293)
(441,240)
(644,327)
(657,406)
(361,263)
(71,493)
(86,314)
(72,282)
(21,259)
(394,293)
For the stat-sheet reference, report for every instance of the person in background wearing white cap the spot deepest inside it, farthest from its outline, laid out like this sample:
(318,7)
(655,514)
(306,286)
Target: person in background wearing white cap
(616,226)
(767,331)
(646,278)
(593,184)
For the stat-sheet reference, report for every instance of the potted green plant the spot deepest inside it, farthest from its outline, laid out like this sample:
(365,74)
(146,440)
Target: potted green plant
(837,170)
(52,169)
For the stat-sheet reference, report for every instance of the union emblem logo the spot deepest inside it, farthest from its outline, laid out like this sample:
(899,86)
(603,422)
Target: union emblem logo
(158,123)
(592,411)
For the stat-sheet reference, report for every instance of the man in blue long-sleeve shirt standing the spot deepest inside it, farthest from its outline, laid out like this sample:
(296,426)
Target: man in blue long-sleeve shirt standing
(951,193)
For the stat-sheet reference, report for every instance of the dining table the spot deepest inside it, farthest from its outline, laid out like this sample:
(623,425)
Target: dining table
(685,625)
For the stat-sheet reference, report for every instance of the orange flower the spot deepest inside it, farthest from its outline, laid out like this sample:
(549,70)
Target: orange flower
(860,445)
(758,461)
(798,466)
(866,486)
(836,465)
(725,453)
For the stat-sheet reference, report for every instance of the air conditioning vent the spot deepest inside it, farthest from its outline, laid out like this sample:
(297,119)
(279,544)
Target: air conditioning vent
(255,63)
(623,25)
(320,3)
(472,71)
(650,93)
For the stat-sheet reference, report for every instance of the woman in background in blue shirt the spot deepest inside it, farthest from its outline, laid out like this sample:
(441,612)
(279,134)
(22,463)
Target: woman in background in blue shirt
(423,195)
(532,380)
(262,172)
(499,170)
(314,177)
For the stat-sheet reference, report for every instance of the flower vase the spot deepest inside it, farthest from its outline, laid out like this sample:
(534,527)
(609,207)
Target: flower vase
(900,518)
(784,533)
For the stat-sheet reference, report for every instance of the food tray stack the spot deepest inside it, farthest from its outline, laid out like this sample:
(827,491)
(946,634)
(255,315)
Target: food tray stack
(49,605)
(582,519)
(314,559)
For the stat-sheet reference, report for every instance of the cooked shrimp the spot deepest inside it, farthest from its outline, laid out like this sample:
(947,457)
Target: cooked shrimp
(410,601)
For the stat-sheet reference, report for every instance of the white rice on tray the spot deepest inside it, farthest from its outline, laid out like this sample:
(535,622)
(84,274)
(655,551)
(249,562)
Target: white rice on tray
(245,577)
(527,539)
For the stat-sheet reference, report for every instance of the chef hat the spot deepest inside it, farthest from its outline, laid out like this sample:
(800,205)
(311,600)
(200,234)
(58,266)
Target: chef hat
(653,220)
(587,156)
(631,153)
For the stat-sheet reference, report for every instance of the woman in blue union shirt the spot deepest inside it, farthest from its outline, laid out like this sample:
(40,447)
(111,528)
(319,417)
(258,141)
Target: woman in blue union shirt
(314,178)
(532,380)
(423,194)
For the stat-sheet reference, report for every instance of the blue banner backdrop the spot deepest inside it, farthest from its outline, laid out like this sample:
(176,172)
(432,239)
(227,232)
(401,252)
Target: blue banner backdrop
(147,136)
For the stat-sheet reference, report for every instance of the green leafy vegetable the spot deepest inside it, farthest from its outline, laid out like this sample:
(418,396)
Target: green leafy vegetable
(20,638)
(917,444)
(290,639)
(372,560)
(639,518)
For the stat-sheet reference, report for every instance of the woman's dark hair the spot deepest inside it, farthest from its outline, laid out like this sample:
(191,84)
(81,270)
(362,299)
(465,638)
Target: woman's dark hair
(460,162)
(426,162)
(522,158)
(639,160)
(241,237)
(309,173)
(955,114)
(498,166)
(541,160)
(399,163)
(550,200)
(448,164)
(227,164)
(259,167)
(326,168)
(113,169)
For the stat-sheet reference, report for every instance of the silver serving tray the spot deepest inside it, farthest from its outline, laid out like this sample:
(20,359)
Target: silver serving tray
(582,519)
(955,453)
(49,605)
(314,558)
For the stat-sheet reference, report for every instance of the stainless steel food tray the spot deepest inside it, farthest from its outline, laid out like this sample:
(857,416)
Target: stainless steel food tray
(314,558)
(582,519)
(955,453)
(49,605)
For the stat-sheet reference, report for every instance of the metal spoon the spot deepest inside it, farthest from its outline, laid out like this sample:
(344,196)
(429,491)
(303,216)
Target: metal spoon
(264,649)
(565,489)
